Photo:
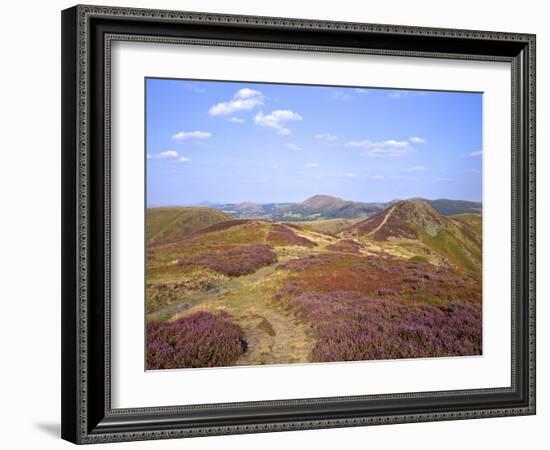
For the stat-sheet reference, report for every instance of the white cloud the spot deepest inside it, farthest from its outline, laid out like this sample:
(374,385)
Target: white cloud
(405,94)
(244,100)
(194,88)
(374,177)
(292,146)
(274,167)
(169,154)
(329,139)
(191,135)
(476,153)
(415,169)
(361,90)
(235,120)
(326,137)
(351,175)
(276,119)
(310,165)
(341,95)
(247,93)
(384,148)
(417,140)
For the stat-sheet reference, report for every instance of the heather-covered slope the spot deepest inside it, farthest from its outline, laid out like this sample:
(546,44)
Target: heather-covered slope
(404,283)
(416,220)
(405,219)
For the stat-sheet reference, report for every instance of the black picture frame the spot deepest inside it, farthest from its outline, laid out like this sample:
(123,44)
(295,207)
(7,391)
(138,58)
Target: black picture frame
(87,416)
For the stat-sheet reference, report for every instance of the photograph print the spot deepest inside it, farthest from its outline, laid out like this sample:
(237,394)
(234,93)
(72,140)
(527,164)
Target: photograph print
(304,224)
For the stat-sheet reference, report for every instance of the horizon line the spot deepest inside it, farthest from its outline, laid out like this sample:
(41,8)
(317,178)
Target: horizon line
(202,204)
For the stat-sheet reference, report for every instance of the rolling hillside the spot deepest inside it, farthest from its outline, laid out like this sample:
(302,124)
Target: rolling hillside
(471,225)
(457,238)
(328,226)
(224,236)
(174,223)
(402,283)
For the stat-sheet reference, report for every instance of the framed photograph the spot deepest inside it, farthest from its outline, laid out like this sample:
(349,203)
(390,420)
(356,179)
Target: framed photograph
(267,222)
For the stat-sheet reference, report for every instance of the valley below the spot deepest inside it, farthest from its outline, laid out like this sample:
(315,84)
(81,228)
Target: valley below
(323,281)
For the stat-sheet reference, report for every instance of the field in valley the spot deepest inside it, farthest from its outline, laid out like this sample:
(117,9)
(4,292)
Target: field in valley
(402,282)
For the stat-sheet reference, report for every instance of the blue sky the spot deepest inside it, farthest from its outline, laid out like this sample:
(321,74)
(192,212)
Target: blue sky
(229,142)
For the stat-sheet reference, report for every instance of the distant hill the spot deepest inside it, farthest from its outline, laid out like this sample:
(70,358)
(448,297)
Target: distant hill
(249,207)
(451,207)
(318,207)
(447,207)
(458,239)
(323,207)
(169,224)
(334,207)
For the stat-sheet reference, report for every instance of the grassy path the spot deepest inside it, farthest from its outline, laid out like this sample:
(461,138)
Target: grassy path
(382,223)
(273,335)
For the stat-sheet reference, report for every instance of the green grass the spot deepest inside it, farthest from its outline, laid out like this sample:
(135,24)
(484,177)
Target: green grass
(473,219)
(253,232)
(448,245)
(331,226)
(174,223)
(419,258)
(471,225)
